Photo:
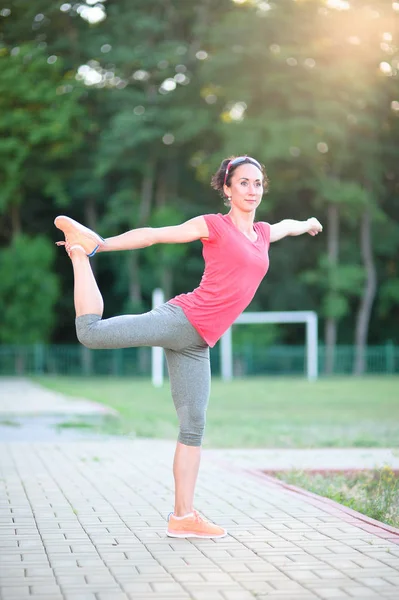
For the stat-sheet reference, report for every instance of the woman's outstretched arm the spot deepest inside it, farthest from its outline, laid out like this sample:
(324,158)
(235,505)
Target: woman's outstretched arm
(288,227)
(191,230)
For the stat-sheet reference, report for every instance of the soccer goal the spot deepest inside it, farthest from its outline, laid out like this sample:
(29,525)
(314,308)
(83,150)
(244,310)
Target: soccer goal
(256,318)
(226,342)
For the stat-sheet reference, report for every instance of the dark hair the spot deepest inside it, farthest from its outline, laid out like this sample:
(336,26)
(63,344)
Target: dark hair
(219,179)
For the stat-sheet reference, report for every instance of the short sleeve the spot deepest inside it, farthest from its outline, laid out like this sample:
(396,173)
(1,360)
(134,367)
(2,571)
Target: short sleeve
(215,227)
(265,227)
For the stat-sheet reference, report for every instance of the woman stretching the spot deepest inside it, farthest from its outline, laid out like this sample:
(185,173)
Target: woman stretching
(235,250)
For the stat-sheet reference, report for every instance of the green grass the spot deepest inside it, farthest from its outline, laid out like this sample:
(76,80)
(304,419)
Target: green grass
(256,412)
(77,425)
(9,423)
(373,493)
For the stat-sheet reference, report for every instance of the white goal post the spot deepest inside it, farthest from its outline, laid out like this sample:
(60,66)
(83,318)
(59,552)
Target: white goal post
(295,316)
(158,298)
(226,342)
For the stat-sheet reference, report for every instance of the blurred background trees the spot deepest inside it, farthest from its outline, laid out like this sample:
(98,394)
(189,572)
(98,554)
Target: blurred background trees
(118,112)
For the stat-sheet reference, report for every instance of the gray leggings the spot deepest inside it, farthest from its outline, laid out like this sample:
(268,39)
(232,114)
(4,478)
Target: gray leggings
(187,355)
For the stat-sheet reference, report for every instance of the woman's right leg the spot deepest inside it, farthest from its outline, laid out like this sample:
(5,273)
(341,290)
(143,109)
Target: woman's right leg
(87,296)
(160,327)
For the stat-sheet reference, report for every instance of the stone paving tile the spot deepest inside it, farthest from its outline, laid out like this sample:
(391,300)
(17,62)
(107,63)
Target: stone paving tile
(79,596)
(86,521)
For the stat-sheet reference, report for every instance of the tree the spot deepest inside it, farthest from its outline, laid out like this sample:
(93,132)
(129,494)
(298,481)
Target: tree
(120,112)
(158,116)
(309,110)
(29,290)
(40,127)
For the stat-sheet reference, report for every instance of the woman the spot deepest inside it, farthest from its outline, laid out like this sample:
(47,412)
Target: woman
(235,250)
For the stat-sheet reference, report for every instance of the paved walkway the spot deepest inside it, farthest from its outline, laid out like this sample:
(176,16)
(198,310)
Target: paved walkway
(20,396)
(322,459)
(86,521)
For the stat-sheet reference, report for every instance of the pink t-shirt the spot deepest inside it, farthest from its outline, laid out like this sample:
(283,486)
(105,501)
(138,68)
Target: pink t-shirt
(234,268)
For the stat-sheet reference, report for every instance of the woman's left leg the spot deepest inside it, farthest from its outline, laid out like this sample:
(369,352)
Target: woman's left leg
(186,465)
(189,373)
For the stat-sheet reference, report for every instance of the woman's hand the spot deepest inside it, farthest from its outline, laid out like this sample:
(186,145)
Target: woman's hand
(314,226)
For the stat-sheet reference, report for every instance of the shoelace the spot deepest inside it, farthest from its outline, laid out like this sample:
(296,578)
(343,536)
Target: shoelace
(198,518)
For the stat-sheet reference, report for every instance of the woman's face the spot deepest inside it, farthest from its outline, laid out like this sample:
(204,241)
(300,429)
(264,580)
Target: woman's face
(246,187)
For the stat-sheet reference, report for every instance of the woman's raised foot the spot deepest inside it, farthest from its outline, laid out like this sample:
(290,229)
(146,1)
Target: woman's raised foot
(78,235)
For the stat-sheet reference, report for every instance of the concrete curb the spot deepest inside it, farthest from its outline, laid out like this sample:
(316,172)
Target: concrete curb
(332,507)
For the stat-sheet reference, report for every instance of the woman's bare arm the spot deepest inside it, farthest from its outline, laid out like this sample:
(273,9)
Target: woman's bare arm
(191,230)
(278,231)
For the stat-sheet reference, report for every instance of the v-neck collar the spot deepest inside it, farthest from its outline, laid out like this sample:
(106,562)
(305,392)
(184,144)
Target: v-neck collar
(242,233)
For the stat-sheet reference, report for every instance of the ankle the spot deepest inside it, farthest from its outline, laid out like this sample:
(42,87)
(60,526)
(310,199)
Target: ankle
(182,512)
(182,517)
(76,251)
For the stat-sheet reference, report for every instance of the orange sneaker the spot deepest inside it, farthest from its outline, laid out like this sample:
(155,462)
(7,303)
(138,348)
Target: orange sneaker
(77,234)
(193,525)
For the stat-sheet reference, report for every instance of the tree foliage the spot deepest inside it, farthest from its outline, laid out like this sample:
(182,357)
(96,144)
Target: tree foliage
(28,292)
(120,111)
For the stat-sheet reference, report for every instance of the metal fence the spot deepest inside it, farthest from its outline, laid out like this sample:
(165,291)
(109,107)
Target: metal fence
(136,362)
